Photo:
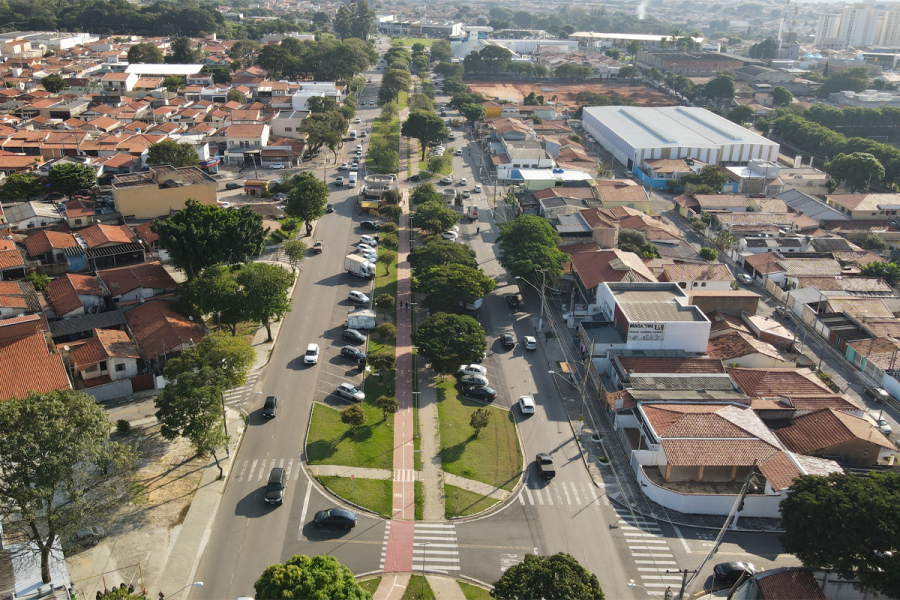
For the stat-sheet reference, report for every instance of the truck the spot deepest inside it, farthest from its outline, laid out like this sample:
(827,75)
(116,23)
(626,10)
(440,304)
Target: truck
(318,247)
(351,180)
(361,318)
(472,212)
(359,266)
(471,305)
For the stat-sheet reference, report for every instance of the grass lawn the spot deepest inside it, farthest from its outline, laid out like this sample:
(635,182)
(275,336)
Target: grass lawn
(473,592)
(372,494)
(246,330)
(460,503)
(423,169)
(370,585)
(418,589)
(493,457)
(410,41)
(384,284)
(420,500)
(402,100)
(330,441)
(390,131)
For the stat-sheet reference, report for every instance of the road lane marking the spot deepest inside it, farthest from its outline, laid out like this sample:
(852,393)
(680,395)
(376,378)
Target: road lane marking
(575,493)
(568,500)
(530,499)
(287,475)
(521,499)
(540,498)
(683,541)
(252,469)
(243,469)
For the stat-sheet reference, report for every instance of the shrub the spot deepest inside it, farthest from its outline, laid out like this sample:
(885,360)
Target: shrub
(123,426)
(389,228)
(389,239)
(386,330)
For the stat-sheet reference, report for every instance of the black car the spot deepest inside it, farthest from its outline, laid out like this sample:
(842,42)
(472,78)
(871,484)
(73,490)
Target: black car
(512,301)
(730,572)
(336,517)
(352,353)
(481,392)
(370,225)
(329,208)
(275,486)
(269,407)
(876,393)
(508,340)
(545,464)
(354,336)
(415,177)
(233,186)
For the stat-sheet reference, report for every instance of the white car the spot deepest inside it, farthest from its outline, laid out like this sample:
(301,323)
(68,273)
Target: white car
(344,166)
(526,405)
(369,255)
(358,297)
(357,120)
(354,168)
(312,355)
(455,228)
(368,240)
(350,391)
(463,181)
(530,343)
(474,380)
(365,247)
(224,204)
(884,427)
(450,235)
(745,279)
(477,188)
(472,370)
(276,166)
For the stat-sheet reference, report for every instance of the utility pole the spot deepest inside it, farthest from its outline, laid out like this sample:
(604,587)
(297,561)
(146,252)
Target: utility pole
(684,573)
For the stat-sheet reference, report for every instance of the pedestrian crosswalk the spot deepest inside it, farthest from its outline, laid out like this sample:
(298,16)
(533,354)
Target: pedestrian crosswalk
(650,551)
(256,470)
(239,394)
(435,547)
(404,475)
(557,493)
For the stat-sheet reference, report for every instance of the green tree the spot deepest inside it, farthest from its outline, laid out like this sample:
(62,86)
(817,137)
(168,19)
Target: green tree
(54,83)
(841,522)
(528,246)
(68,178)
(182,52)
(172,83)
(632,240)
(709,254)
(480,419)
(420,102)
(440,164)
(454,85)
(434,217)
(386,331)
(612,53)
(235,96)
(721,87)
(740,114)
(59,471)
(306,198)
(725,240)
(342,22)
(767,49)
(448,69)
(424,192)
(889,271)
(294,250)
(388,406)
(446,286)
(854,80)
(781,97)
(441,52)
(385,302)
(170,152)
(216,292)
(354,416)
(390,211)
(473,112)
(318,578)
(38,281)
(199,236)
(220,74)
(325,129)
(858,169)
(387,258)
(22,185)
(424,126)
(556,576)
(267,286)
(449,340)
(437,253)
(382,362)
(144,52)
(709,176)
(871,241)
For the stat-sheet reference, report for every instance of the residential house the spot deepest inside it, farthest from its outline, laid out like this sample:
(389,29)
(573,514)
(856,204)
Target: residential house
(162,189)
(110,246)
(865,206)
(12,265)
(109,355)
(80,213)
(28,362)
(769,382)
(17,298)
(710,276)
(160,332)
(137,282)
(613,193)
(50,247)
(244,142)
(590,270)
(74,295)
(29,215)
(828,433)
(739,349)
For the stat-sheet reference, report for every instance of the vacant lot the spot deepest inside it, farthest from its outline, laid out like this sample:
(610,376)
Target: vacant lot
(565,92)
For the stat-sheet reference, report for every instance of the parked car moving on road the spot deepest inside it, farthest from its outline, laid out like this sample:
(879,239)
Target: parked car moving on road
(233,186)
(336,517)
(276,166)
(275,486)
(545,464)
(530,343)
(312,355)
(508,340)
(526,405)
(876,393)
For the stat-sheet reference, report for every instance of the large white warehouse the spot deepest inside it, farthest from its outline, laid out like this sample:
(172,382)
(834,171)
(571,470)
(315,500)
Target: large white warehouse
(635,134)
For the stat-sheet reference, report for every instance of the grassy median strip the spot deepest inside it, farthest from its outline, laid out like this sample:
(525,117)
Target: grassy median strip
(418,589)
(332,443)
(370,585)
(462,503)
(372,494)
(473,592)
(420,501)
(493,457)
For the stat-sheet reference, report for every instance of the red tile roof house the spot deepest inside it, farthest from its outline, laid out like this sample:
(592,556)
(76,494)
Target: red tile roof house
(17,298)
(108,356)
(12,264)
(27,360)
(49,247)
(694,458)
(76,295)
(111,246)
(160,332)
(137,282)
(827,432)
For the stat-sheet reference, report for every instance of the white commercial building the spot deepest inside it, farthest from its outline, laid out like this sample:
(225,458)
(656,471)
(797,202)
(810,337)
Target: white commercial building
(163,70)
(635,134)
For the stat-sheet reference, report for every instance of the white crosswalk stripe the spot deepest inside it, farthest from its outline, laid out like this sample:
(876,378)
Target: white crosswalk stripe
(548,494)
(650,550)
(404,475)
(239,394)
(434,547)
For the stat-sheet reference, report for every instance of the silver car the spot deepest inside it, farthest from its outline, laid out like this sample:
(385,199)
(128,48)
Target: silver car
(351,392)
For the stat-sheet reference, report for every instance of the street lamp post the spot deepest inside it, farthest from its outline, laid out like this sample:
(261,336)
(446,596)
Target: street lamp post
(170,596)
(668,596)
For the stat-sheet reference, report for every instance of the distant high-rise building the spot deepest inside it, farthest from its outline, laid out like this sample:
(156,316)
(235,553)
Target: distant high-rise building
(859,25)
(827,28)
(890,28)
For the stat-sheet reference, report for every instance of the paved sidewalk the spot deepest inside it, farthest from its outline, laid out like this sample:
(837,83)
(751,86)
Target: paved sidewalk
(344,471)
(392,586)
(445,588)
(432,474)
(485,489)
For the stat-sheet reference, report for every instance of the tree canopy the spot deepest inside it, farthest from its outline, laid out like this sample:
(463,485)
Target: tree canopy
(889,271)
(528,246)
(21,185)
(424,192)
(67,178)
(781,97)
(447,285)
(449,340)
(845,522)
(556,576)
(267,287)
(307,196)
(434,217)
(318,578)
(425,126)
(437,253)
(58,468)
(858,169)
(855,80)
(170,152)
(199,236)
(145,52)
(54,83)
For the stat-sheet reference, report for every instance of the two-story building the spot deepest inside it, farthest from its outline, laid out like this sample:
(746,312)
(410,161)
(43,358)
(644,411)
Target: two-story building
(162,189)
(244,142)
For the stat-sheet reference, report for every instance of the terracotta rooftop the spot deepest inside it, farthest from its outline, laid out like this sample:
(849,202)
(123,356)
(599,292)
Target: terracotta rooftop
(792,583)
(772,382)
(63,292)
(27,365)
(44,241)
(610,265)
(99,235)
(736,344)
(106,344)
(146,275)
(694,272)
(642,364)
(10,256)
(826,428)
(159,329)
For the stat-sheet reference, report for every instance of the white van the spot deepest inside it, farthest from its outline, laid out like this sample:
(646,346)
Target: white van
(352,134)
(351,180)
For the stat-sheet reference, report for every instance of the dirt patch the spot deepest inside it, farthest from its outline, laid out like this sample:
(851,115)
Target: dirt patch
(565,92)
(142,531)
